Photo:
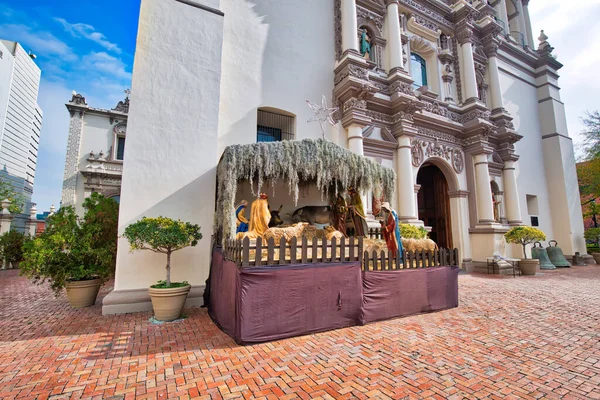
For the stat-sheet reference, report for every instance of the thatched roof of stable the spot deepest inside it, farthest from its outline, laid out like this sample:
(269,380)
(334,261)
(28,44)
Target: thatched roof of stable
(293,161)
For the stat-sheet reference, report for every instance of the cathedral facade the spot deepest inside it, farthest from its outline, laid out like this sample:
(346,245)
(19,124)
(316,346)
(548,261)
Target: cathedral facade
(455,95)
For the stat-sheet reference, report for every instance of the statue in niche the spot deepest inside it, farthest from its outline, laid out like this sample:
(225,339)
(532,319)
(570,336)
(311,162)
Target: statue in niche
(496,202)
(365,44)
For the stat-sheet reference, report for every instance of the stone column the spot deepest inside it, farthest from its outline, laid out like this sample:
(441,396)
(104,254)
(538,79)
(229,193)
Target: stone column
(485,207)
(494,78)
(394,35)
(349,25)
(417,188)
(511,193)
(503,16)
(355,139)
(528,32)
(5,217)
(468,65)
(405,187)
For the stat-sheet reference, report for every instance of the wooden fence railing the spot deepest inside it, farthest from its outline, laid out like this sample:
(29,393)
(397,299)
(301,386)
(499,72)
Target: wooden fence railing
(247,253)
(386,261)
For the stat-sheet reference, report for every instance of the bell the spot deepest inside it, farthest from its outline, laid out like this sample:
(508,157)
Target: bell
(556,255)
(537,251)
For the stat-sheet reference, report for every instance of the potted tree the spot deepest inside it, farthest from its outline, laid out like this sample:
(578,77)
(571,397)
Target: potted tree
(164,235)
(525,235)
(593,235)
(77,254)
(12,247)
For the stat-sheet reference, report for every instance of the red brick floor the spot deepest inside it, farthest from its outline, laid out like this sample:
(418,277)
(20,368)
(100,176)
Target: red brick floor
(529,337)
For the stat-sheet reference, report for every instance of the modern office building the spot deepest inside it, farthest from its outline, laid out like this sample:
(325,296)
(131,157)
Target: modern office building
(20,120)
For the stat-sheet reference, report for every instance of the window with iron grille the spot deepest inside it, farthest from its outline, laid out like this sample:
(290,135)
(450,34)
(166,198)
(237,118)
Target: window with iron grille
(274,127)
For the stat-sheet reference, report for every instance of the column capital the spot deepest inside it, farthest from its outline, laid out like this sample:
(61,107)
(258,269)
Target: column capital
(458,194)
(464,34)
(390,2)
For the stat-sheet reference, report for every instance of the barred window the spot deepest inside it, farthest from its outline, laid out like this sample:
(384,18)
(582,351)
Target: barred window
(274,127)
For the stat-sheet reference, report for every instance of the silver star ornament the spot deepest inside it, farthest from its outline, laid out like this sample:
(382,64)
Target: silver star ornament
(322,113)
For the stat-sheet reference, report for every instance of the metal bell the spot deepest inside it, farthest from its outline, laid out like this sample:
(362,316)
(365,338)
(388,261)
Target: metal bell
(556,255)
(537,251)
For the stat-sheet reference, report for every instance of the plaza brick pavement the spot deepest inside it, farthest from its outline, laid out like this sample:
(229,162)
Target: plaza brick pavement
(529,337)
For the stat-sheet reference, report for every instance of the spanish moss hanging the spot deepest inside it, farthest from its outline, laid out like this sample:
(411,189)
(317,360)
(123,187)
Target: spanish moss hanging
(294,161)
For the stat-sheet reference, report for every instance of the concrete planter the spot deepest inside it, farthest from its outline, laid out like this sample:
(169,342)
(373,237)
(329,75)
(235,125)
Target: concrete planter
(168,303)
(529,266)
(82,293)
(596,257)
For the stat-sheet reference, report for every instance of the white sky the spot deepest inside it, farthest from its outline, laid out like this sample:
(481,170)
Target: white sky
(573,29)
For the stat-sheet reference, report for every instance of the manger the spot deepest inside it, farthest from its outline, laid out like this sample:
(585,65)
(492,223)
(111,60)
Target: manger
(325,268)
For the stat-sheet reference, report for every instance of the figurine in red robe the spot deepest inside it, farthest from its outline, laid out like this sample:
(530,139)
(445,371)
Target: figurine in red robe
(388,228)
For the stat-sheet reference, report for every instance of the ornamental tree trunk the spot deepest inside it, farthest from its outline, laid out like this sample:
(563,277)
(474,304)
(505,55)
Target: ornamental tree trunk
(169,268)
(524,251)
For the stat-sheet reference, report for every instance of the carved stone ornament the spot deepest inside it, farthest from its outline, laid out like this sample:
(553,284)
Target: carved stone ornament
(428,12)
(78,99)
(458,161)
(120,129)
(401,87)
(369,16)
(354,103)
(422,149)
(122,106)
(417,153)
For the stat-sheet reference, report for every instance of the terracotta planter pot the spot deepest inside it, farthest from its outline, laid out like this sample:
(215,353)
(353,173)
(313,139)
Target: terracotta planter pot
(596,257)
(82,293)
(529,266)
(168,303)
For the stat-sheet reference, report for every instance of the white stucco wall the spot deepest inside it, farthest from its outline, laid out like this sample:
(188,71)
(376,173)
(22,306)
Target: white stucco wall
(172,125)
(520,100)
(275,54)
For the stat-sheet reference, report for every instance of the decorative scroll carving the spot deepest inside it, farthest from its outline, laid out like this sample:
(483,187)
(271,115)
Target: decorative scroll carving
(427,12)
(381,117)
(352,70)
(471,115)
(369,16)
(420,45)
(430,133)
(402,115)
(425,23)
(504,124)
(438,109)
(401,87)
(354,103)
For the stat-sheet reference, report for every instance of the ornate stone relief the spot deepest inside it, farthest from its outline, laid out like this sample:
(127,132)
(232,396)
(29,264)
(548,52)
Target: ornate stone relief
(438,109)
(435,135)
(427,12)
(422,149)
(123,106)
(401,87)
(420,45)
(370,16)
(457,70)
(352,70)
(354,103)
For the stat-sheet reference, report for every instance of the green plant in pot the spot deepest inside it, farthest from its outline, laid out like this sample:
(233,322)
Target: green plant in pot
(525,235)
(164,235)
(12,243)
(74,253)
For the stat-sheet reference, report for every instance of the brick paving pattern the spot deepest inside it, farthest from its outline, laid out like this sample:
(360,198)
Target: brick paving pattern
(527,338)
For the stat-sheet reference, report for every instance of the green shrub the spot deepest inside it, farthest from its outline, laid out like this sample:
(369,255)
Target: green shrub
(524,235)
(162,235)
(408,231)
(73,248)
(11,244)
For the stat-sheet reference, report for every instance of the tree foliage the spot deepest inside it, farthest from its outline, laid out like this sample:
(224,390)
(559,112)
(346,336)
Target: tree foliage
(592,234)
(592,134)
(162,235)
(17,200)
(524,235)
(73,248)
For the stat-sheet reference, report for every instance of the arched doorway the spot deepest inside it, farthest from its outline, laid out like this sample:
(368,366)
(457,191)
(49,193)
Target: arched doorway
(434,204)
